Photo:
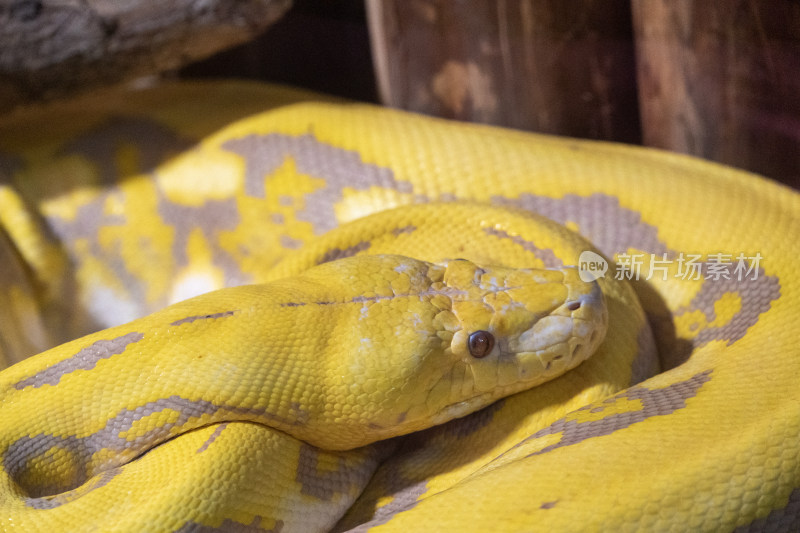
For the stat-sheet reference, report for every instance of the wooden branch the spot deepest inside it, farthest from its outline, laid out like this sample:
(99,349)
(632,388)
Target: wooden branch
(52,48)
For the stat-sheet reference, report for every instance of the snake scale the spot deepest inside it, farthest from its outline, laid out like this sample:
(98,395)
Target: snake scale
(120,204)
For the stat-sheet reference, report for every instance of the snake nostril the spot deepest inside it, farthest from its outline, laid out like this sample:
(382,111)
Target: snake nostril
(574,306)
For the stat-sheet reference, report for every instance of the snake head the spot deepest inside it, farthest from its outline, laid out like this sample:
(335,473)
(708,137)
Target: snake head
(407,344)
(512,329)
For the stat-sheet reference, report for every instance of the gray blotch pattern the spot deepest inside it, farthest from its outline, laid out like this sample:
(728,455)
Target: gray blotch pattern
(89,218)
(405,229)
(231,526)
(601,219)
(756,295)
(190,319)
(86,359)
(779,520)
(340,168)
(339,253)
(614,229)
(406,492)
(290,243)
(109,438)
(51,502)
(405,497)
(211,218)
(655,402)
(324,485)
(85,227)
(153,143)
(210,440)
(546,256)
(27,448)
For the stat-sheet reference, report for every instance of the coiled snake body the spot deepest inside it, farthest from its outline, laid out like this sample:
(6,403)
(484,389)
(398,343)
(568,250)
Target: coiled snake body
(125,203)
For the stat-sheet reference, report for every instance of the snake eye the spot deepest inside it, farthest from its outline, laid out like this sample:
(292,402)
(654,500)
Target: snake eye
(480,343)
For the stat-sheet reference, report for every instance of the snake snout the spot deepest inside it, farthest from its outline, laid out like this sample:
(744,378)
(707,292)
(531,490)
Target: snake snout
(569,335)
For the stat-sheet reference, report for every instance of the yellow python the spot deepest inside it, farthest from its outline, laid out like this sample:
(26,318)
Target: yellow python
(306,355)
(117,205)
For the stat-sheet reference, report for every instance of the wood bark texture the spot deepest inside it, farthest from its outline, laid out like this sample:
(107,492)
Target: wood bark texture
(51,48)
(721,80)
(555,66)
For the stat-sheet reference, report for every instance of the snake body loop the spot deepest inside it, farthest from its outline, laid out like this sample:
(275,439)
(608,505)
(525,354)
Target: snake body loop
(262,407)
(252,357)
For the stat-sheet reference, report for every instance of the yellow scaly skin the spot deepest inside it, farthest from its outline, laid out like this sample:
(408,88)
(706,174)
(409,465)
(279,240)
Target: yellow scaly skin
(117,205)
(304,357)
